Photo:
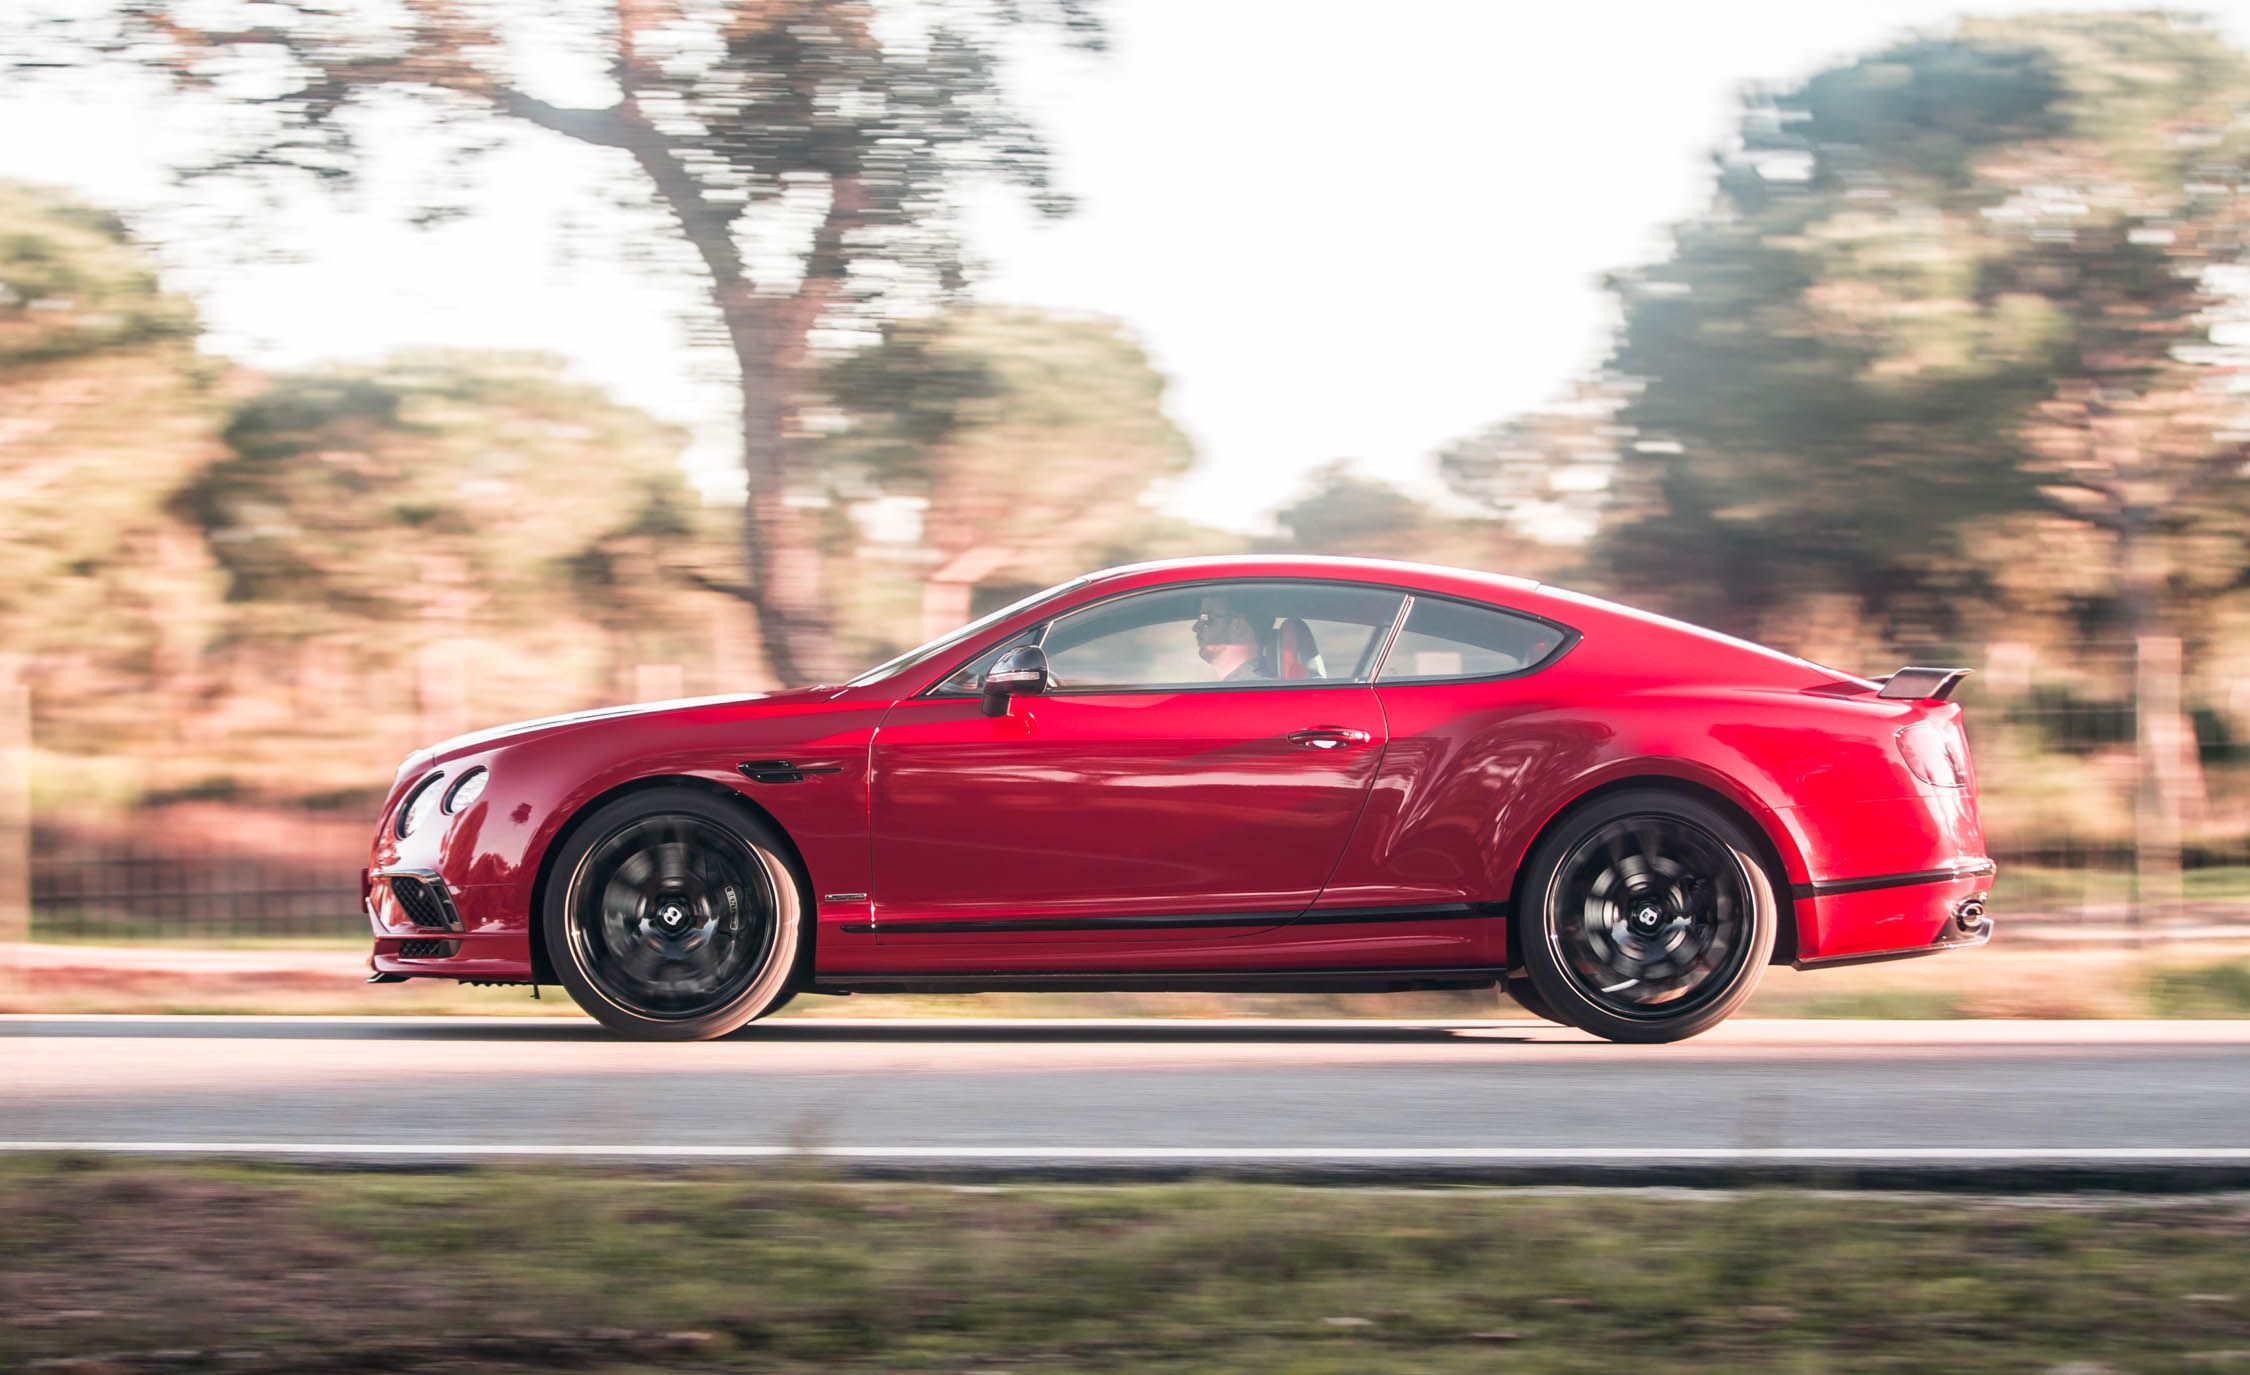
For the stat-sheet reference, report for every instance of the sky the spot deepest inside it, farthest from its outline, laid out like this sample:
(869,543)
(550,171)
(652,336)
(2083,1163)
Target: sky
(1339,238)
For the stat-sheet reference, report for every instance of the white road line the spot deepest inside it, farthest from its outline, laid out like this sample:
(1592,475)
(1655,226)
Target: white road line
(1592,1155)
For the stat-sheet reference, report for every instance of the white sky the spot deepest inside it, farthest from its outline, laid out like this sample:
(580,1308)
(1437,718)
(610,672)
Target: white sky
(1340,238)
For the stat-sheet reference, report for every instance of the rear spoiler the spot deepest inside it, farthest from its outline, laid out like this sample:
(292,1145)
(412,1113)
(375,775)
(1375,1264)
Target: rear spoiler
(1922,684)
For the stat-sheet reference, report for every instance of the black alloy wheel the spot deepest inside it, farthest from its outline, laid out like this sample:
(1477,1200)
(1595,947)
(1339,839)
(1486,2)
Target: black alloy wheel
(1648,917)
(676,916)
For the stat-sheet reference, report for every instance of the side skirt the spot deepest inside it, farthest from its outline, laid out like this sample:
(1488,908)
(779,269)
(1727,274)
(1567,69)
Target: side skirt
(1183,981)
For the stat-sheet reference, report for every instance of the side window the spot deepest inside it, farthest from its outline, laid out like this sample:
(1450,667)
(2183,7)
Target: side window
(1214,634)
(1443,639)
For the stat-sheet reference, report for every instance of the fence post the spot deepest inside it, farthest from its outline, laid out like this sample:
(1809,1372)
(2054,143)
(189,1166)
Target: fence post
(15,816)
(2160,801)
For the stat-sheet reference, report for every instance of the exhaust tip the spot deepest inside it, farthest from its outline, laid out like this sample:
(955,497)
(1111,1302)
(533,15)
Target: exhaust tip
(1969,917)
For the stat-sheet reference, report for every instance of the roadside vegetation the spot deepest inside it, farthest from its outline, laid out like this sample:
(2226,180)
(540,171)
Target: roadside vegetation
(129,1267)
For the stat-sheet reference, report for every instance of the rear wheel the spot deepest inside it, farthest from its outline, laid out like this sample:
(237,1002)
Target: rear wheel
(1647,918)
(674,917)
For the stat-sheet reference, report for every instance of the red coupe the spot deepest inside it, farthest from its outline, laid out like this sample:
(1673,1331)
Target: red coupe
(1244,774)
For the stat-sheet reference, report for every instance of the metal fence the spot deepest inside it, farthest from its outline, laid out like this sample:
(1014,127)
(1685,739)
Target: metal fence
(90,888)
(2115,787)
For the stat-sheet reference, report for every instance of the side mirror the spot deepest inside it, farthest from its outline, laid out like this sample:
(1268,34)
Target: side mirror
(1021,670)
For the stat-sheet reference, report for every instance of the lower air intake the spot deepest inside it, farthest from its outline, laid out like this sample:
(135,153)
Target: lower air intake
(428,950)
(423,903)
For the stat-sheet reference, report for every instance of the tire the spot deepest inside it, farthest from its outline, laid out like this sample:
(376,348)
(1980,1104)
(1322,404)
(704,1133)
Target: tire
(1527,997)
(1646,917)
(674,916)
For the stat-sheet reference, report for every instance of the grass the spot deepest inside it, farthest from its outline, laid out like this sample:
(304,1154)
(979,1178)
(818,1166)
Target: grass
(512,1269)
(2220,989)
(2036,888)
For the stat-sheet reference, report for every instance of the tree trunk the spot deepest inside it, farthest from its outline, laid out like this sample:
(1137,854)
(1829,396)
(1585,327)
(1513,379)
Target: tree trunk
(2167,777)
(780,546)
(781,551)
(15,812)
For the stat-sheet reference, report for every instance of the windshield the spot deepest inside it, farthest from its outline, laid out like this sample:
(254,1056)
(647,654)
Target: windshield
(953,639)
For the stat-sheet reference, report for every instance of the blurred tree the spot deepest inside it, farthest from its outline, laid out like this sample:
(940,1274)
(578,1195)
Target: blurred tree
(434,535)
(442,485)
(104,408)
(1545,475)
(807,151)
(1031,442)
(1959,287)
(1342,512)
(1035,432)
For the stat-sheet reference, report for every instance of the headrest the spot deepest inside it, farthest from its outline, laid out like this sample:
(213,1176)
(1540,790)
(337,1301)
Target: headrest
(1296,654)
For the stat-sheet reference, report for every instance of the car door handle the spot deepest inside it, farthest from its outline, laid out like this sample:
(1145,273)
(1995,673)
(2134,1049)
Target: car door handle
(1328,737)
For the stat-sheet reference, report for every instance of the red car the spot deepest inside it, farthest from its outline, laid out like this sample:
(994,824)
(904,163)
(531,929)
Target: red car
(1242,774)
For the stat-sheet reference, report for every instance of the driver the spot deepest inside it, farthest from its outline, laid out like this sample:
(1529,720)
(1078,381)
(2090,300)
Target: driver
(1227,638)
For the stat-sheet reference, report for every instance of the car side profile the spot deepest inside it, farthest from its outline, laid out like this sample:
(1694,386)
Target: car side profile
(1271,774)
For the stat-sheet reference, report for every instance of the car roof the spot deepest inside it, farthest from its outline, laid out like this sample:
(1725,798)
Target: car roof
(1428,577)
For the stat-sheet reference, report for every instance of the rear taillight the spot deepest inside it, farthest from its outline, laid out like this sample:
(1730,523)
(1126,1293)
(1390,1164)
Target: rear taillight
(1937,752)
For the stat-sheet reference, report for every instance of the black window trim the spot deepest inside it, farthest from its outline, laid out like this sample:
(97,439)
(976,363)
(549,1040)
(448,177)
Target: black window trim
(1374,679)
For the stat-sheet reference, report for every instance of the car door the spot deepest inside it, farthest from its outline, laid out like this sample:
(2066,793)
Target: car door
(1181,773)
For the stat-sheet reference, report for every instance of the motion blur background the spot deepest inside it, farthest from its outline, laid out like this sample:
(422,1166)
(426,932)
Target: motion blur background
(372,370)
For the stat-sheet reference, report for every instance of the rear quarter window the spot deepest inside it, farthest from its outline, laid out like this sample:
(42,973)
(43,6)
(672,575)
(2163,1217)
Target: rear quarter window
(1446,639)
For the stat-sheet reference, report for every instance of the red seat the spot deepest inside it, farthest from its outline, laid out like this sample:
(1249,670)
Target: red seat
(1296,654)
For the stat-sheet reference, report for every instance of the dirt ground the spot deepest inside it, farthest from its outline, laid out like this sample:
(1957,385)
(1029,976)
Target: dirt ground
(2175,978)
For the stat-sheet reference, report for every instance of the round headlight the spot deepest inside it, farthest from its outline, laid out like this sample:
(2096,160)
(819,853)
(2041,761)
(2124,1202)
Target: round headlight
(419,806)
(465,792)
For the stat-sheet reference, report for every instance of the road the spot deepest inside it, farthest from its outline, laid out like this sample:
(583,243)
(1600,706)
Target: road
(1843,1102)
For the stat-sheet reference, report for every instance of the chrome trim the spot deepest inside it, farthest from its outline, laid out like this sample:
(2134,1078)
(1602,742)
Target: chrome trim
(1571,637)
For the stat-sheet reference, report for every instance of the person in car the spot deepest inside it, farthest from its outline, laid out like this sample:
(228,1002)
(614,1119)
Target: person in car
(1228,639)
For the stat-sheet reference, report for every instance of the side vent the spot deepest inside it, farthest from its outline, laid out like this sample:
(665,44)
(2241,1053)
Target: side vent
(782,771)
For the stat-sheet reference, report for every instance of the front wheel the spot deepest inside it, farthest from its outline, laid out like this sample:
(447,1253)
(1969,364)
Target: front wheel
(1647,917)
(674,916)
(1520,989)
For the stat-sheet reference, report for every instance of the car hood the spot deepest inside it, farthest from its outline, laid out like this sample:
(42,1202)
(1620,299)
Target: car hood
(515,732)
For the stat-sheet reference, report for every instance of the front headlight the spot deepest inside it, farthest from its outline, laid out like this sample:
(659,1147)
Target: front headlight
(419,806)
(462,795)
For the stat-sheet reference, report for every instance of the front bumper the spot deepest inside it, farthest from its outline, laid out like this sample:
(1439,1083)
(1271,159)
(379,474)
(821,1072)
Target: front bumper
(426,928)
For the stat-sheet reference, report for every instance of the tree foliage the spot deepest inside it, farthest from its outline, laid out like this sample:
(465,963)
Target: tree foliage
(440,487)
(104,406)
(1023,432)
(808,155)
(1960,288)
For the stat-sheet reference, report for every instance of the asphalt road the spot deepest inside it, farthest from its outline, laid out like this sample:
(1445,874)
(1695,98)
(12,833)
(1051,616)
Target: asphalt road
(2130,1103)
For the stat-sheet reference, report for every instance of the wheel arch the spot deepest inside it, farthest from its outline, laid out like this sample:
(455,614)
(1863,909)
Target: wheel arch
(1771,854)
(542,970)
